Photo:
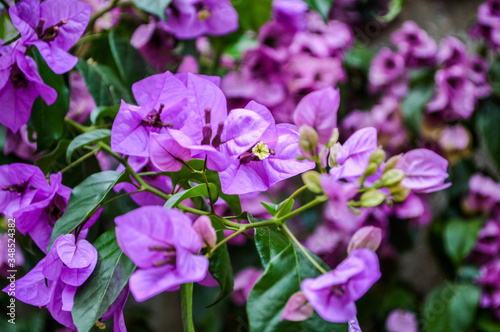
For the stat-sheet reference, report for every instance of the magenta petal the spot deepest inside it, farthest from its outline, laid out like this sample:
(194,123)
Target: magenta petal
(31,288)
(319,111)
(25,16)
(76,277)
(166,153)
(128,136)
(57,59)
(297,308)
(78,255)
(53,265)
(67,297)
(425,170)
(243,130)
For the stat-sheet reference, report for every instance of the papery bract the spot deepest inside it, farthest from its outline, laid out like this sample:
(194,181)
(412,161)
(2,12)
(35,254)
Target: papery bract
(163,244)
(53,26)
(425,171)
(297,308)
(333,294)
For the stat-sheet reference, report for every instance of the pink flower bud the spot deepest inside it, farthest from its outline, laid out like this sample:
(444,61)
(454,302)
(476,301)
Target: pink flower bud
(366,237)
(203,226)
(297,308)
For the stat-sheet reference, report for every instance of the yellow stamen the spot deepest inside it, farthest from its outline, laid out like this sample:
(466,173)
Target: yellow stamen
(203,14)
(261,150)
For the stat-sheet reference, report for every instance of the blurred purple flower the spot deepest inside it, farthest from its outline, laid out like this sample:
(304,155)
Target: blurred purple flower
(20,145)
(489,281)
(297,308)
(401,321)
(243,284)
(192,18)
(425,171)
(388,74)
(333,294)
(484,194)
(53,26)
(20,86)
(478,74)
(455,95)
(415,45)
(81,103)
(291,14)
(452,52)
(488,25)
(164,246)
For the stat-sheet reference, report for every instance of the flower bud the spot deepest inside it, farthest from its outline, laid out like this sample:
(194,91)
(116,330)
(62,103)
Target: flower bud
(297,308)
(392,177)
(334,138)
(391,162)
(366,237)
(311,180)
(399,193)
(308,139)
(203,226)
(376,158)
(372,198)
(332,158)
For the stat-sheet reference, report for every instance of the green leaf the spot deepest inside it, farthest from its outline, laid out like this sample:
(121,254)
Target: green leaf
(269,241)
(321,6)
(48,121)
(495,76)
(90,137)
(199,190)
(48,162)
(100,114)
(156,7)
(131,65)
(414,105)
(220,265)
(281,279)
(83,200)
(451,308)
(273,208)
(253,14)
(187,307)
(486,322)
(395,7)
(460,237)
(102,83)
(110,275)
(488,121)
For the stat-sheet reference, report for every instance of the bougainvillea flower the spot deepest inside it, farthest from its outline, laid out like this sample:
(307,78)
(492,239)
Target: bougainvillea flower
(415,44)
(53,26)
(243,284)
(20,86)
(45,209)
(452,52)
(192,18)
(290,13)
(425,171)
(401,321)
(53,281)
(455,94)
(20,145)
(164,246)
(354,155)
(488,24)
(484,193)
(161,99)
(319,111)
(203,226)
(81,103)
(388,73)
(488,243)
(333,294)
(339,193)
(297,308)
(489,280)
(271,157)
(19,184)
(478,74)
(116,311)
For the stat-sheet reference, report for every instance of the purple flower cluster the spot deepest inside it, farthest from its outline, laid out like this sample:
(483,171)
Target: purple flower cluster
(488,24)
(460,79)
(297,53)
(53,27)
(246,147)
(53,282)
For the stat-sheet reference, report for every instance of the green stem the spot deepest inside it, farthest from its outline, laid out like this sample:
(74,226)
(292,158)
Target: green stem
(298,191)
(79,160)
(304,250)
(187,307)
(316,201)
(77,126)
(222,242)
